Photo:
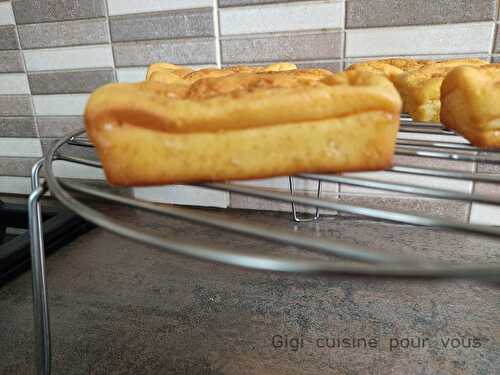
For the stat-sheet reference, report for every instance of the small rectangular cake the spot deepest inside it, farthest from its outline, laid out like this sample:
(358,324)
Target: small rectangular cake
(390,68)
(242,125)
(420,89)
(470,99)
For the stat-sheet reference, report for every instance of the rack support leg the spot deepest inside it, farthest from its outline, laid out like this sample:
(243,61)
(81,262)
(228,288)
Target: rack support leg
(41,325)
(295,215)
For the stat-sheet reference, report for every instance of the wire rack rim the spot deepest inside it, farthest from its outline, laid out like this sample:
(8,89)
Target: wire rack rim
(257,261)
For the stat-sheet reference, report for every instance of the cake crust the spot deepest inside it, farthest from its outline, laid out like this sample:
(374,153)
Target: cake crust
(170,73)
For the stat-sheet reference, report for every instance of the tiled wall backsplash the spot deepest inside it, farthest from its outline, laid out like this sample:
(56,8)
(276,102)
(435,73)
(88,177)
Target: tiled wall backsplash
(53,53)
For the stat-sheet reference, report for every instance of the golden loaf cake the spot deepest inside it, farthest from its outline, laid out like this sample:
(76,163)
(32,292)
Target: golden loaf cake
(243,126)
(420,89)
(470,98)
(390,68)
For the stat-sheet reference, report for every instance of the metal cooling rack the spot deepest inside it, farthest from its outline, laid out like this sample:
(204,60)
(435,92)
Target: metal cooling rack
(370,262)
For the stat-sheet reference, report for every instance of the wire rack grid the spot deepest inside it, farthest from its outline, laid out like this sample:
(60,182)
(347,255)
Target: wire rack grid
(367,262)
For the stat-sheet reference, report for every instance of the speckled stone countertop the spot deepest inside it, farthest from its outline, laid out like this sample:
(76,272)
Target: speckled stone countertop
(122,308)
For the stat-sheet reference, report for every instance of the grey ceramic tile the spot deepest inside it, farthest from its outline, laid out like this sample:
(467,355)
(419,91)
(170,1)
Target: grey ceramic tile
(333,66)
(495,59)
(433,163)
(15,186)
(60,104)
(373,13)
(404,179)
(32,11)
(15,105)
(430,207)
(178,51)
(460,38)
(300,16)
(83,152)
(17,127)
(14,84)
(6,13)
(58,126)
(120,7)
(491,190)
(283,184)
(20,147)
(485,214)
(245,202)
(62,58)
(18,167)
(11,62)
(8,39)
(229,3)
(67,33)
(68,82)
(277,47)
(484,188)
(481,213)
(162,25)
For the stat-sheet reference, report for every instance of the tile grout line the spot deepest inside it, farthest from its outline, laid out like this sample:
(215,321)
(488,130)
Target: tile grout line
(340,191)
(493,38)
(21,51)
(493,41)
(344,38)
(110,41)
(215,18)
